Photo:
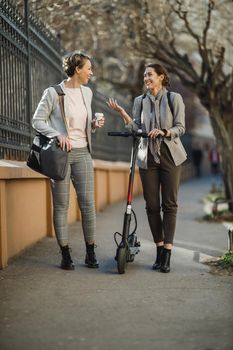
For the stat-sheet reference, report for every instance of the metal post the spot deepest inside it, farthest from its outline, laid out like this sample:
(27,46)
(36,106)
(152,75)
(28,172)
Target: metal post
(230,239)
(28,68)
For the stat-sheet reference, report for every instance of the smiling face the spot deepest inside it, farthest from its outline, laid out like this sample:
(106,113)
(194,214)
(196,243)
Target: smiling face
(152,80)
(85,73)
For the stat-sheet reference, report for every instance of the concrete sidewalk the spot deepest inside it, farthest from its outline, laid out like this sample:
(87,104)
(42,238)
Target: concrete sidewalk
(44,307)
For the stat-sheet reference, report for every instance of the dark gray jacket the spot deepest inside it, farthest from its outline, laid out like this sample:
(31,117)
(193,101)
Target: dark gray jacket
(175,123)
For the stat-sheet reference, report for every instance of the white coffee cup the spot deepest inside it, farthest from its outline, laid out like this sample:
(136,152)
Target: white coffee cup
(99,116)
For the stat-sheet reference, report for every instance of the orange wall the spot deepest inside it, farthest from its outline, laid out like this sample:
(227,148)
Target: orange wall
(26,201)
(25,205)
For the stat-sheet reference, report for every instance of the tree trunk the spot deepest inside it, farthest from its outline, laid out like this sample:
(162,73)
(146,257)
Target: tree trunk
(224,138)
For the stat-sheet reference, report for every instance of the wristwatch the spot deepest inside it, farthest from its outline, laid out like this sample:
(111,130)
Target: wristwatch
(165,132)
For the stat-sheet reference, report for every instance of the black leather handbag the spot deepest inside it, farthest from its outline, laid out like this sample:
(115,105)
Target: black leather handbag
(46,157)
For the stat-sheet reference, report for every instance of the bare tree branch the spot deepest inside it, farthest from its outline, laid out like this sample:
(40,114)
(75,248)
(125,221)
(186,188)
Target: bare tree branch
(183,16)
(208,20)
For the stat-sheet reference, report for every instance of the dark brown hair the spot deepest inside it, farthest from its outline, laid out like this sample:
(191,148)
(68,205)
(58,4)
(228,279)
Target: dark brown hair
(73,60)
(160,70)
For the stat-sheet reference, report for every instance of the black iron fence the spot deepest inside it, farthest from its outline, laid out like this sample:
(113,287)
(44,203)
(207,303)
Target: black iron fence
(30,61)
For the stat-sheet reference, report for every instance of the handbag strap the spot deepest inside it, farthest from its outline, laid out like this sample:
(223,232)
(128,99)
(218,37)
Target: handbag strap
(140,112)
(61,95)
(170,102)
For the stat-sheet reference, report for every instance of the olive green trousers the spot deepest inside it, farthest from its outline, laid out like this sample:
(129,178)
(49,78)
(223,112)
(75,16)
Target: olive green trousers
(160,184)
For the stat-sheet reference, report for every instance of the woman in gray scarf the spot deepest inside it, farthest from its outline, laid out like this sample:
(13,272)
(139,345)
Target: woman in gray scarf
(160,114)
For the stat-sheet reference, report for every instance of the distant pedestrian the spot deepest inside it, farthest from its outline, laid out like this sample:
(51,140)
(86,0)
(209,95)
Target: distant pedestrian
(75,138)
(214,161)
(160,156)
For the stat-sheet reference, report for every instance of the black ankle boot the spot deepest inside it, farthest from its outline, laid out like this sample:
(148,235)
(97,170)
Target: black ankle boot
(90,259)
(66,263)
(165,260)
(157,263)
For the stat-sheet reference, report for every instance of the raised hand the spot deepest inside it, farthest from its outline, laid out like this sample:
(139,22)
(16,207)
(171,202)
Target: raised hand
(112,103)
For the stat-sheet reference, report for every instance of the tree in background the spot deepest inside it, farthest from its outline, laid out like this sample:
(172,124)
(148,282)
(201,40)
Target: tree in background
(193,40)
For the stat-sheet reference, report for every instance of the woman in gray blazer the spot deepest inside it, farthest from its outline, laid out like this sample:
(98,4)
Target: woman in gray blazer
(74,136)
(161,115)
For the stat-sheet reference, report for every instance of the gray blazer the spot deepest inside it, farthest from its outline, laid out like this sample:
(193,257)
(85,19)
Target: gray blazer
(174,123)
(47,118)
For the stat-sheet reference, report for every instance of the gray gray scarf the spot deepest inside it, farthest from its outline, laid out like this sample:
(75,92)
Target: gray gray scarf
(154,145)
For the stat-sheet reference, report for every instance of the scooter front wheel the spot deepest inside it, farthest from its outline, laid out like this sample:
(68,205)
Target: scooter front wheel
(121,259)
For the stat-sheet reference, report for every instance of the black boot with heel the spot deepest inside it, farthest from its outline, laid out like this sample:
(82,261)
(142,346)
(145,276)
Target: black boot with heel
(165,260)
(90,259)
(157,263)
(66,263)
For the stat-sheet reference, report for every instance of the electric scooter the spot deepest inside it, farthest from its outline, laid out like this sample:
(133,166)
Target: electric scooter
(129,245)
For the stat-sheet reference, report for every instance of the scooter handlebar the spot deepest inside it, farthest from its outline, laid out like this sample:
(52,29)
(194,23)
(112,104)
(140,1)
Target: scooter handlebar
(138,133)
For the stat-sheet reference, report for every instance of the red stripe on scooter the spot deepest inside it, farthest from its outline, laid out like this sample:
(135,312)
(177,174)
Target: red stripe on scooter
(130,195)
(130,198)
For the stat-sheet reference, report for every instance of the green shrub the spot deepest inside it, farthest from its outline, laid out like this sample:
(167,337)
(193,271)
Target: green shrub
(227,259)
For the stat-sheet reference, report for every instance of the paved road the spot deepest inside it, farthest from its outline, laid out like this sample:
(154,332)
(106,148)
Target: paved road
(44,307)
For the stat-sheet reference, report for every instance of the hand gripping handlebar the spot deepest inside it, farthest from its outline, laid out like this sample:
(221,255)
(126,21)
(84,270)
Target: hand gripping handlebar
(137,133)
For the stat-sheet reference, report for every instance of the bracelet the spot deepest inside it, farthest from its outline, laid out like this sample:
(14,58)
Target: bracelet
(165,132)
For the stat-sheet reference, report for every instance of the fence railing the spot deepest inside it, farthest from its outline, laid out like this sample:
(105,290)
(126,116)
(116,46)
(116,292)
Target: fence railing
(30,61)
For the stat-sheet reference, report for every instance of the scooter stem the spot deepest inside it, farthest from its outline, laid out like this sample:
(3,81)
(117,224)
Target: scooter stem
(134,153)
